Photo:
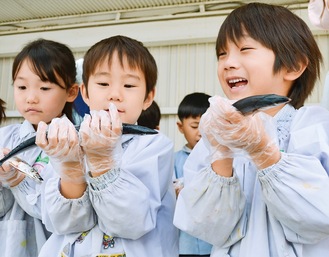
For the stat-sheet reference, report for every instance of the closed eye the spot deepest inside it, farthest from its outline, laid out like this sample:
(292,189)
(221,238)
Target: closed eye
(129,86)
(45,88)
(103,84)
(246,48)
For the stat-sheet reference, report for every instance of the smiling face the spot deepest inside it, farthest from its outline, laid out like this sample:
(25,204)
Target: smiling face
(246,68)
(38,100)
(120,84)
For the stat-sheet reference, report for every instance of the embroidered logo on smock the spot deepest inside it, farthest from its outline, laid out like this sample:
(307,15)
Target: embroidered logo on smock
(108,241)
(40,162)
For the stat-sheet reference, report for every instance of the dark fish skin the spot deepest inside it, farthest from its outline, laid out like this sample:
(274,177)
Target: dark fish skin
(126,129)
(254,103)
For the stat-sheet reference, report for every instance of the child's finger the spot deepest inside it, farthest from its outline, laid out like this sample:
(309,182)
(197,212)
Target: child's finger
(41,136)
(115,119)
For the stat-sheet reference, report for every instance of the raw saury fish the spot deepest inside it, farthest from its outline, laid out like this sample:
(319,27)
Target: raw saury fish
(126,129)
(254,103)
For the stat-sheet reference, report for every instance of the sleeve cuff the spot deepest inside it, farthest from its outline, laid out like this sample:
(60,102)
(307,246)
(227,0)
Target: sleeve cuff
(101,182)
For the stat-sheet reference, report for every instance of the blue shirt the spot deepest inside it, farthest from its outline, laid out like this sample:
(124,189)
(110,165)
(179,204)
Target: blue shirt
(187,243)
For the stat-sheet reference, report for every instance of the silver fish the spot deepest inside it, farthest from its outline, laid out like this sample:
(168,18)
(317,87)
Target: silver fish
(254,103)
(25,168)
(126,129)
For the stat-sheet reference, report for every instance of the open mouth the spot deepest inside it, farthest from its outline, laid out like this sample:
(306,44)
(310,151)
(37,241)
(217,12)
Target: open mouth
(234,83)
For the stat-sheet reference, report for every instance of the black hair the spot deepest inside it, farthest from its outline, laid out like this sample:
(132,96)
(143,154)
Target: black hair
(150,117)
(193,105)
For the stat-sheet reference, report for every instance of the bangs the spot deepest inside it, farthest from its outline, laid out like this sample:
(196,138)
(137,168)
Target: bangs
(242,22)
(44,72)
(229,33)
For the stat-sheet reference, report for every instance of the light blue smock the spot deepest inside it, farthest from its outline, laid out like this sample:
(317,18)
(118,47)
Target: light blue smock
(282,210)
(21,230)
(133,204)
(188,244)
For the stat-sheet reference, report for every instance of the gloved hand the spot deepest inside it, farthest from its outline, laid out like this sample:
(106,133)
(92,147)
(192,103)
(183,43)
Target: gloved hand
(100,135)
(209,131)
(9,176)
(243,133)
(61,144)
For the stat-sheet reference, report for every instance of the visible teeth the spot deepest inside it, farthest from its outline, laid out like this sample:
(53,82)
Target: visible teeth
(235,80)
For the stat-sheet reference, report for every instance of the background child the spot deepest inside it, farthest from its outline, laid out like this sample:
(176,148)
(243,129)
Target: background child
(190,110)
(126,207)
(44,88)
(150,117)
(189,113)
(258,184)
(80,107)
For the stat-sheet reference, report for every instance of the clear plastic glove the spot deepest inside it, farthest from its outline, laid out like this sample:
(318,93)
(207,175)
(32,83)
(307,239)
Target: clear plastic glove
(243,133)
(100,135)
(9,176)
(208,129)
(61,143)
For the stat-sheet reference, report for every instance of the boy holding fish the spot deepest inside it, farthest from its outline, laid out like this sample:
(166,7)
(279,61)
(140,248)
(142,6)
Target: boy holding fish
(257,184)
(122,197)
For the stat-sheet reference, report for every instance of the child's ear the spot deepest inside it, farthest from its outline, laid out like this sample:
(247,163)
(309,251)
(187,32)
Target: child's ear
(84,93)
(180,126)
(292,75)
(148,100)
(73,93)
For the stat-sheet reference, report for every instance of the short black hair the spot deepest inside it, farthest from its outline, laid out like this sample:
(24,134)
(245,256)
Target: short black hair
(193,105)
(150,117)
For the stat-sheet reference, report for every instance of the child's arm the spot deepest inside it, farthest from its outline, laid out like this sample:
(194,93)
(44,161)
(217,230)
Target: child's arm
(296,191)
(64,216)
(66,158)
(296,188)
(6,200)
(128,199)
(211,207)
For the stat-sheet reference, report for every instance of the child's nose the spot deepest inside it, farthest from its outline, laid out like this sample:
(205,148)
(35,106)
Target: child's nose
(115,95)
(231,61)
(31,98)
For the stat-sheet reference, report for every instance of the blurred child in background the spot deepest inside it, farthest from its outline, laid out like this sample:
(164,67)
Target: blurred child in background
(190,111)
